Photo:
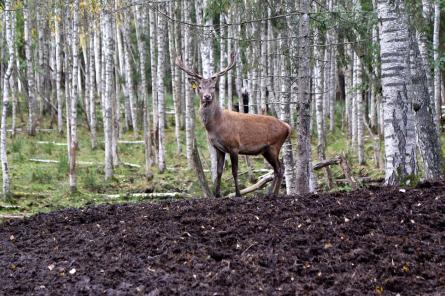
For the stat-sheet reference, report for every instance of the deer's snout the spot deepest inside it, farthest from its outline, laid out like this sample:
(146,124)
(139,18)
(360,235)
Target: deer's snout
(207,97)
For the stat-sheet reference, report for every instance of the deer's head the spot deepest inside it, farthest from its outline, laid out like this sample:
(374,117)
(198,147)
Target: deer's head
(204,86)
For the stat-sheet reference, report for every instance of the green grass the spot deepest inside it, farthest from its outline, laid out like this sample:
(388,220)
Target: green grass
(43,187)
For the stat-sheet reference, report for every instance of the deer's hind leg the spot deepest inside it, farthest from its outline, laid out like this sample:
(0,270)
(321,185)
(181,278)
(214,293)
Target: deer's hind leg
(271,155)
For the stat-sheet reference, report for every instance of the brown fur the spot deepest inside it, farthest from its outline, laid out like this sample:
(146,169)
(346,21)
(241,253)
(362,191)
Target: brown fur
(237,133)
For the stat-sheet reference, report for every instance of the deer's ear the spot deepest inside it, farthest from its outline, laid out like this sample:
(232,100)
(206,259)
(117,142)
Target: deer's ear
(194,82)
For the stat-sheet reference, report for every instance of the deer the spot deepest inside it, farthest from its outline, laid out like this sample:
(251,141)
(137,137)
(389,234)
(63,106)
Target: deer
(234,133)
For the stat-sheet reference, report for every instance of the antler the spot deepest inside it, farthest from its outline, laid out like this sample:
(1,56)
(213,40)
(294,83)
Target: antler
(184,68)
(226,69)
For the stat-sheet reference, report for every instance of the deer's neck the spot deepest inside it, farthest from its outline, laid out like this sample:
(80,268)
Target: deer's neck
(210,115)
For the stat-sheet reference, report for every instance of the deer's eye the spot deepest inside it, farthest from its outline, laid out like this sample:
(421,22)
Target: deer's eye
(199,88)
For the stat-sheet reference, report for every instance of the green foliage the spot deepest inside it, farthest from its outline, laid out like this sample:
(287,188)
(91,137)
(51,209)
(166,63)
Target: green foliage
(17,145)
(41,176)
(62,166)
(89,179)
(48,148)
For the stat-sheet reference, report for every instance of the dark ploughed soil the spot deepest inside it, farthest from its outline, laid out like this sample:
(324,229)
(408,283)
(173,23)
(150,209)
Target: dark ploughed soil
(369,242)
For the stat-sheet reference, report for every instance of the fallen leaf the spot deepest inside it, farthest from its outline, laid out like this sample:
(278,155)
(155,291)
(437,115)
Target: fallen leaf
(51,267)
(72,271)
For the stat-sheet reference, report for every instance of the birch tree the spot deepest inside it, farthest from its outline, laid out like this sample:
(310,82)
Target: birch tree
(58,60)
(6,97)
(72,143)
(437,74)
(173,43)
(400,162)
(207,68)
(30,69)
(108,85)
(141,21)
(304,163)
(162,31)
(189,110)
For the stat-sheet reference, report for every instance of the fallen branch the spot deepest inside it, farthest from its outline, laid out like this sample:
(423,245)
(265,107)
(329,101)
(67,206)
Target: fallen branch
(344,164)
(148,195)
(49,130)
(131,142)
(86,163)
(43,160)
(53,143)
(258,185)
(325,163)
(9,207)
(19,194)
(362,180)
(131,165)
(56,161)
(12,217)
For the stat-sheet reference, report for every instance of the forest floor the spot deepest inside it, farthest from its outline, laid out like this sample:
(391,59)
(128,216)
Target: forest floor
(381,241)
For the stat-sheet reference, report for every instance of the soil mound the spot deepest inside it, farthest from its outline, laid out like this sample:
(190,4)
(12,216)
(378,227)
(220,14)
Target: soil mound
(370,242)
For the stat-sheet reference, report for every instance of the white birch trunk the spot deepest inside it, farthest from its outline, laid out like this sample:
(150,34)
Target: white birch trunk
(333,79)
(189,109)
(108,43)
(162,32)
(13,78)
(354,117)
(207,70)
(6,97)
(29,71)
(154,75)
(74,96)
(128,76)
(222,59)
(436,56)
(141,21)
(360,106)
(288,158)
(348,72)
(263,70)
(98,57)
(59,92)
(92,92)
(173,44)
(400,161)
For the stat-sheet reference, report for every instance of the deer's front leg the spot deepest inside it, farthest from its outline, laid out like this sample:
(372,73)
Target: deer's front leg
(234,160)
(219,170)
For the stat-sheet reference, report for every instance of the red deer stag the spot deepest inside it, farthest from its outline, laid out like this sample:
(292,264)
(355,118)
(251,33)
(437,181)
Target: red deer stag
(237,133)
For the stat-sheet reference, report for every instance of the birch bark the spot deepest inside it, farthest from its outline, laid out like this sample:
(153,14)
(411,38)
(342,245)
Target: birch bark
(173,44)
(29,70)
(6,97)
(207,69)
(59,92)
(108,87)
(437,73)
(74,96)
(162,32)
(141,24)
(400,161)
(189,109)
(304,158)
